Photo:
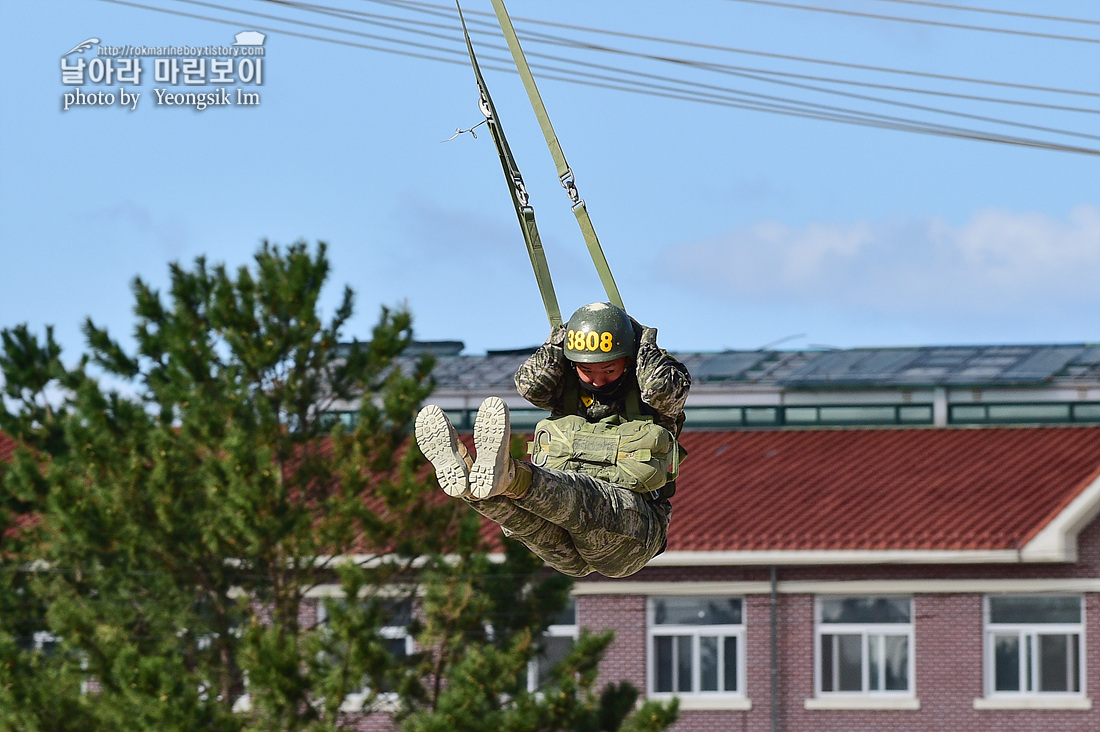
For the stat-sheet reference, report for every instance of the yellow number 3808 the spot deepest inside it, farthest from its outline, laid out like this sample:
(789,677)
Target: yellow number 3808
(579,340)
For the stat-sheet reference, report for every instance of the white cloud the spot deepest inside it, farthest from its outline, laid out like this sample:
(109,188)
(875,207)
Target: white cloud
(998,262)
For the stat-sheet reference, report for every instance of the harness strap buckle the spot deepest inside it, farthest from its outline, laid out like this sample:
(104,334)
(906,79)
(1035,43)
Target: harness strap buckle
(521,191)
(535,449)
(570,187)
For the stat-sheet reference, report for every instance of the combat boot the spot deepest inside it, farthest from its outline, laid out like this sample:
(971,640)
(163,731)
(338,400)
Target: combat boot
(495,473)
(439,442)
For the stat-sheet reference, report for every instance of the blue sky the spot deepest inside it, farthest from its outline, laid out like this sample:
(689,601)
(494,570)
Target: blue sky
(725,227)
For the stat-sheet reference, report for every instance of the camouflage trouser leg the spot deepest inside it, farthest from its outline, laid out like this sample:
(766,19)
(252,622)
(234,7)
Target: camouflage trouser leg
(549,542)
(613,530)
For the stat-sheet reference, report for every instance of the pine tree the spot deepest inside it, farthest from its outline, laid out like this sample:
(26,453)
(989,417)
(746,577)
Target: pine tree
(39,691)
(174,502)
(187,509)
(482,627)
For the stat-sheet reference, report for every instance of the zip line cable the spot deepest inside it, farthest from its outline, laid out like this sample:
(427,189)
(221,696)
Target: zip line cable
(322,27)
(545,38)
(922,128)
(340,13)
(445,11)
(356,15)
(557,40)
(729,70)
(846,116)
(798,110)
(718,68)
(296,34)
(921,21)
(711,88)
(721,69)
(538,37)
(994,11)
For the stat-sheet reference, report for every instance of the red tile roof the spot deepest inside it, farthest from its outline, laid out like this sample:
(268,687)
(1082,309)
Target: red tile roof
(869,489)
(877,489)
(7,447)
(18,522)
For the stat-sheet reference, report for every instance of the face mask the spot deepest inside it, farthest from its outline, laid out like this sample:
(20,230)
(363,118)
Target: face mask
(607,390)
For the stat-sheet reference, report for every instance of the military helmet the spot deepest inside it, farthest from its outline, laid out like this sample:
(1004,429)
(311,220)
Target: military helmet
(599,332)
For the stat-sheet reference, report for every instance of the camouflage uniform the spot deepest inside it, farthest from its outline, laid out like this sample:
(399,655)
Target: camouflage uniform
(579,524)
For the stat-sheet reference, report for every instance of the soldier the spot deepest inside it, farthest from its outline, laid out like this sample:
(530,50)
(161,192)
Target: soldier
(606,383)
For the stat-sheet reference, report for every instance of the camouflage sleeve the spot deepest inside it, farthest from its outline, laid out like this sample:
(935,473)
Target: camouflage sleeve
(663,380)
(541,377)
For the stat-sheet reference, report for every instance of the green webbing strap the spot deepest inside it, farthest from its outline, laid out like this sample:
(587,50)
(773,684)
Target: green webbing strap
(524,212)
(634,402)
(564,172)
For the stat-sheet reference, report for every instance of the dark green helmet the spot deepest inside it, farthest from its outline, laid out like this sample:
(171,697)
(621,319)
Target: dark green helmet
(599,332)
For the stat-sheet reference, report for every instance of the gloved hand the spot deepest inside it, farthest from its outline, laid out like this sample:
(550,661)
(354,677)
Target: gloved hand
(556,343)
(642,334)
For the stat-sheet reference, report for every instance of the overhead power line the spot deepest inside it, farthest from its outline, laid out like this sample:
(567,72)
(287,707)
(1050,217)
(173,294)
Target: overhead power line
(559,40)
(994,11)
(296,34)
(754,75)
(831,80)
(447,11)
(623,79)
(746,72)
(335,12)
(921,21)
(440,11)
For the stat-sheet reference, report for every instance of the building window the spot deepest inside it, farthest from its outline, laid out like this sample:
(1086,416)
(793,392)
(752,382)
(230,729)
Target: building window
(864,646)
(40,641)
(756,416)
(1086,412)
(523,419)
(1052,412)
(349,419)
(696,646)
(398,613)
(917,414)
(1033,645)
(858,415)
(557,641)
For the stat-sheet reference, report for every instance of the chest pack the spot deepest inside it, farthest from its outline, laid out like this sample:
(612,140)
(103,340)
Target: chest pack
(635,454)
(630,451)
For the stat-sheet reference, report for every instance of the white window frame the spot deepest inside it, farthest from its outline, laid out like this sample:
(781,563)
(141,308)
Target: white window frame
(865,631)
(734,630)
(1029,634)
(557,630)
(44,641)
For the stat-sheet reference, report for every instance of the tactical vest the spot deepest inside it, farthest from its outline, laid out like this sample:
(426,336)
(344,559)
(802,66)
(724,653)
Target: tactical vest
(631,451)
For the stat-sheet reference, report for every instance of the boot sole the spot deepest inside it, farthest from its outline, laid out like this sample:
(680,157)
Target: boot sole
(439,443)
(491,433)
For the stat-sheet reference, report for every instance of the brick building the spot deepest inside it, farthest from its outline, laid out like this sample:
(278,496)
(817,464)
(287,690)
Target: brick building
(871,579)
(869,539)
(873,539)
